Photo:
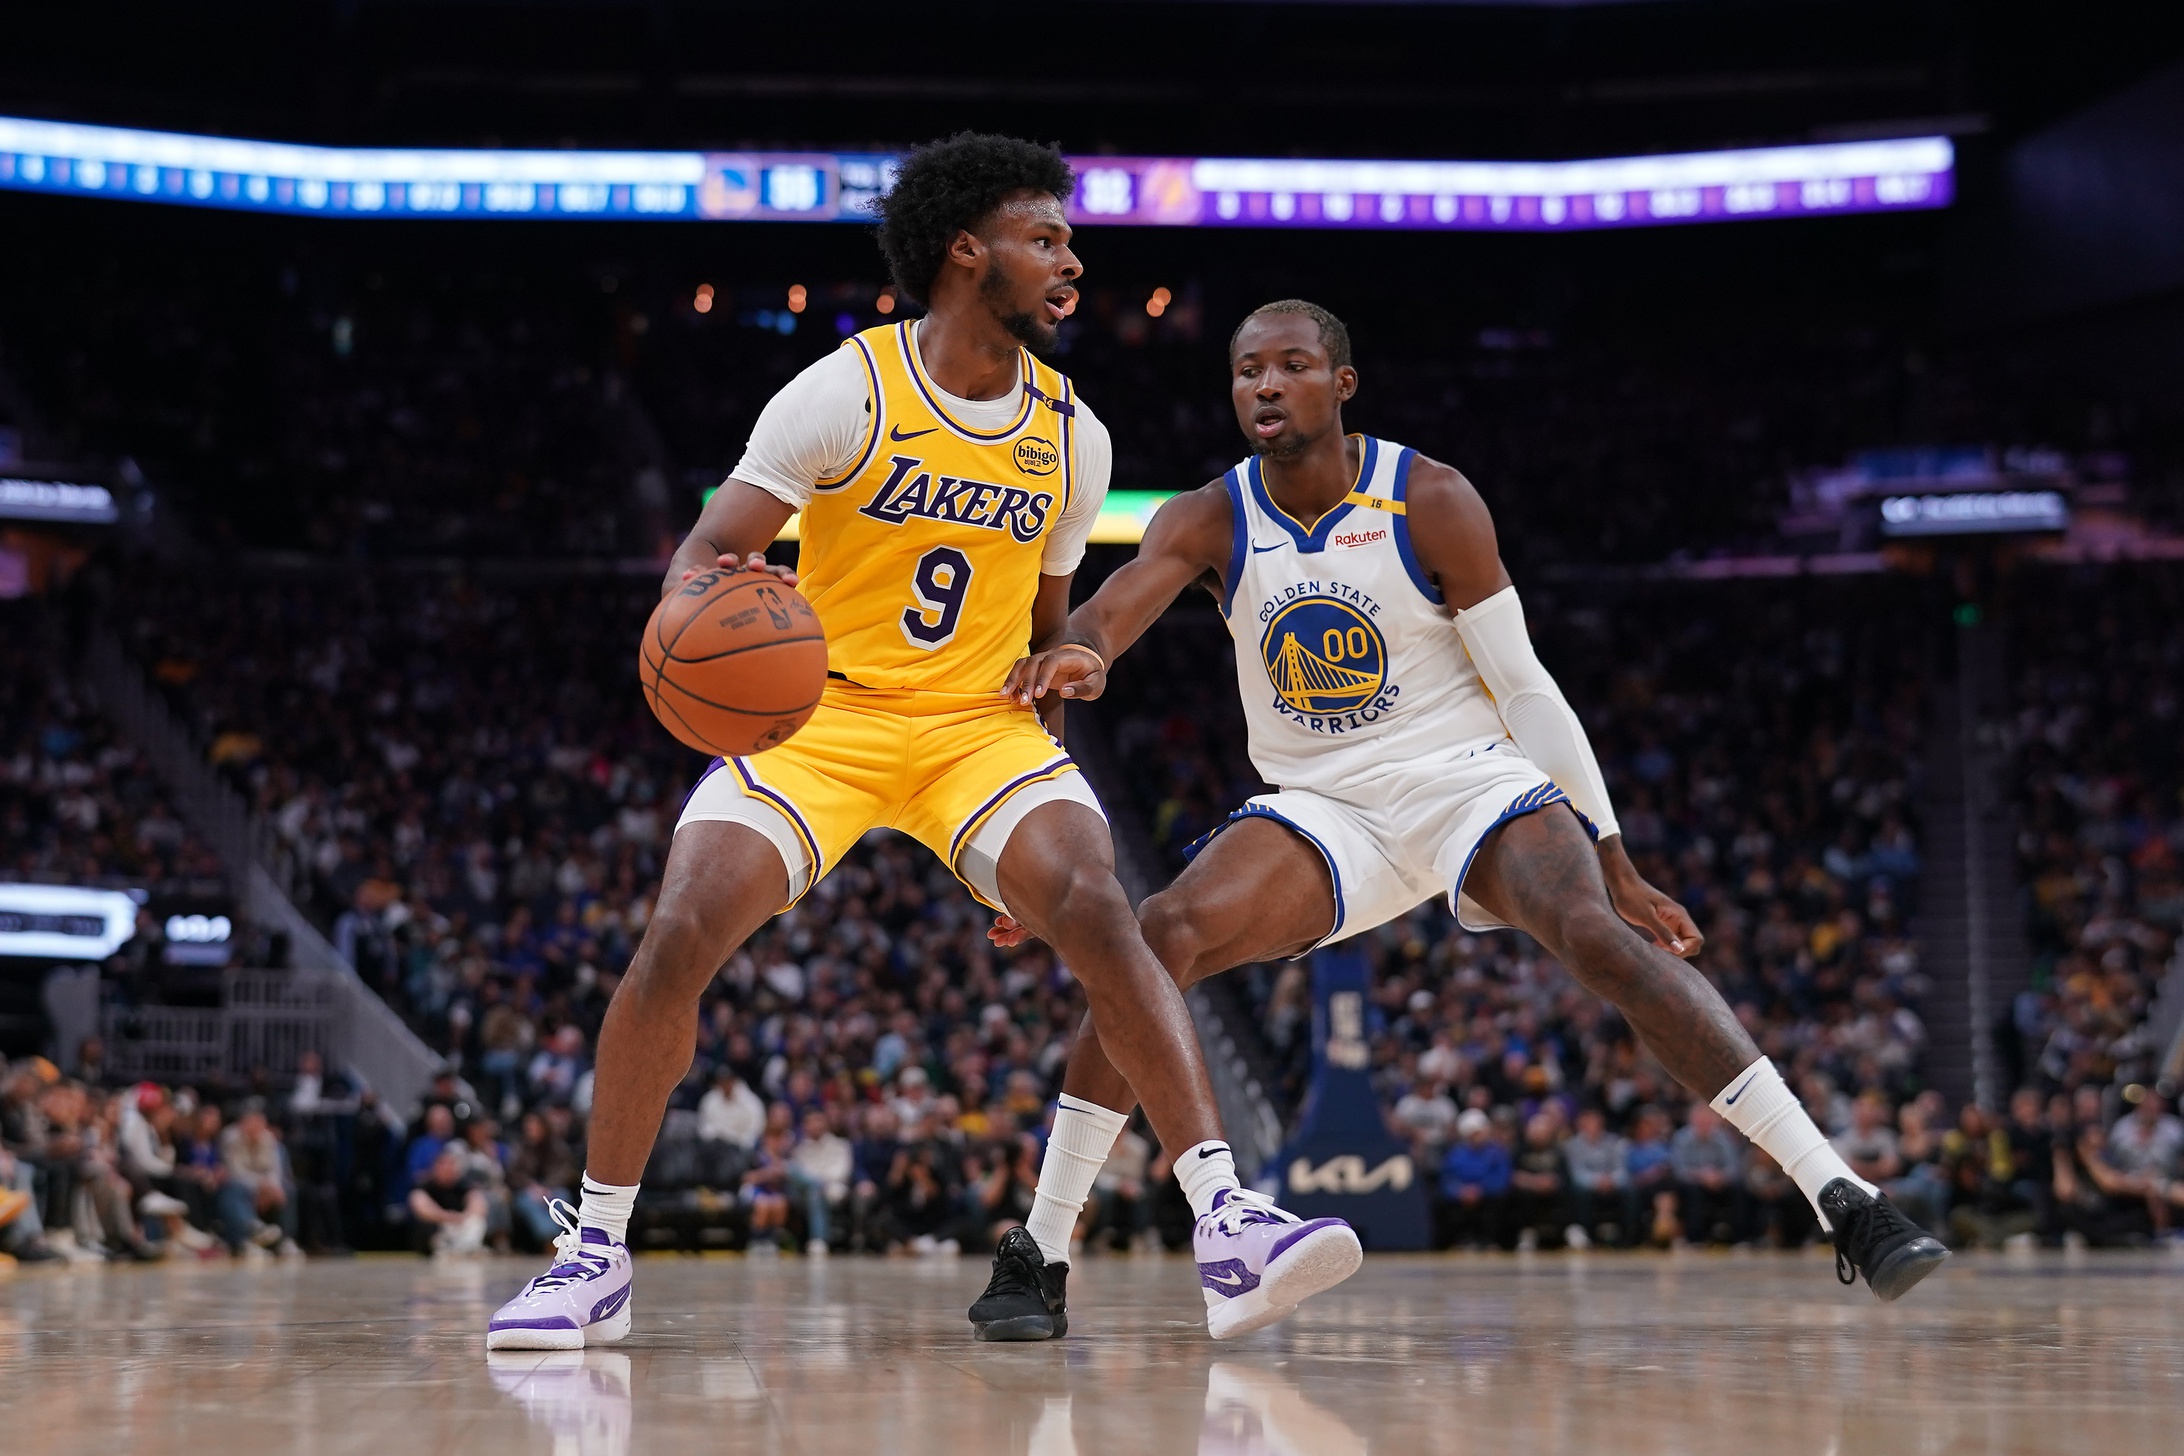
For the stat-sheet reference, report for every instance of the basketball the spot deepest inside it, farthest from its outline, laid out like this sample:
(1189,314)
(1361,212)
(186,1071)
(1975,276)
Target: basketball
(733,662)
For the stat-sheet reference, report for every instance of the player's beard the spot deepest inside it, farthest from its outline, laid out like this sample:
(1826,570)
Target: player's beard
(1287,445)
(1034,332)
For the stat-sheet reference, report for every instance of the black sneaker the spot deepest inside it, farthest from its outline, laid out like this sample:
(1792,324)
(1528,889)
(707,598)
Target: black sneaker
(1872,1237)
(1024,1301)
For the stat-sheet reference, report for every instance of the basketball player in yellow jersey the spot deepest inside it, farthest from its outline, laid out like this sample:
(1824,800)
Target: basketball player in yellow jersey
(948,480)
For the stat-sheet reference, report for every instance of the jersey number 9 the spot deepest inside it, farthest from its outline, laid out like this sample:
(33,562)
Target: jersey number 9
(942,580)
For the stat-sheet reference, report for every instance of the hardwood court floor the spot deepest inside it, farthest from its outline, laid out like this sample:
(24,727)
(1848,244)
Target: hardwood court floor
(1629,1354)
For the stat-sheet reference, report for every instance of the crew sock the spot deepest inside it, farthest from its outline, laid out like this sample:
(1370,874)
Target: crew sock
(606,1207)
(1759,1104)
(1204,1171)
(1084,1134)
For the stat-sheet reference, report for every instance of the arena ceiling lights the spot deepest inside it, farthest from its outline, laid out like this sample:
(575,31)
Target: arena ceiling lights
(200,171)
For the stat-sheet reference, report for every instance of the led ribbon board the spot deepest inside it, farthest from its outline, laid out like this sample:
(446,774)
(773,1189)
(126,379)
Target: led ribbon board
(171,167)
(57,500)
(1975,513)
(64,922)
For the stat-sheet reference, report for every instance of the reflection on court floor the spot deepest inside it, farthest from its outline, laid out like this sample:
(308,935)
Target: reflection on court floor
(1456,1355)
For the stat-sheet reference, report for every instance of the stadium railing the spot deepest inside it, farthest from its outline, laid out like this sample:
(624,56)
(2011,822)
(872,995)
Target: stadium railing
(2165,1024)
(267,1019)
(373,1042)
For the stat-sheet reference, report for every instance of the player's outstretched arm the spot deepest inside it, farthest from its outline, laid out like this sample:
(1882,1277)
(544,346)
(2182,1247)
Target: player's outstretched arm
(732,532)
(1188,537)
(1453,533)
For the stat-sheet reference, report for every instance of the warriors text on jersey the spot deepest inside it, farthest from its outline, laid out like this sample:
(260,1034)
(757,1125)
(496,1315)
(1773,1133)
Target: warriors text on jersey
(1345,654)
(1362,701)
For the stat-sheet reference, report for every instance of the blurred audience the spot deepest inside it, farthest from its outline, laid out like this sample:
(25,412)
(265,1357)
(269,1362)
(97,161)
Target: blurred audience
(478,818)
(2098,771)
(78,804)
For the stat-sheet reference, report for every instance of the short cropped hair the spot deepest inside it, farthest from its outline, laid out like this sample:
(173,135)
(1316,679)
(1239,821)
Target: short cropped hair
(946,186)
(1334,335)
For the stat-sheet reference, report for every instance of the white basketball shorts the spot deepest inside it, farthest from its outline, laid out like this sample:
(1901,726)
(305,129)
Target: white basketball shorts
(1411,833)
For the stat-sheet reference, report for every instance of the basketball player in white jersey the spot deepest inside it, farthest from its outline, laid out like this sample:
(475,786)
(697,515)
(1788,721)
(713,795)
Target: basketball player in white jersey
(1420,749)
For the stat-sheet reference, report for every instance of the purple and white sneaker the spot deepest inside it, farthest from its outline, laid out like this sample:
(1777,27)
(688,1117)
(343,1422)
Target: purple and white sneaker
(1257,1263)
(582,1300)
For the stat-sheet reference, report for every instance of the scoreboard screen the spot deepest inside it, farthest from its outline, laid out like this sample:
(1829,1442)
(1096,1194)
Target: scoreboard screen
(1455,196)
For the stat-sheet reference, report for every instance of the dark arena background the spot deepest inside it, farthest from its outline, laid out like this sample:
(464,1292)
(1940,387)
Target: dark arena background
(362,362)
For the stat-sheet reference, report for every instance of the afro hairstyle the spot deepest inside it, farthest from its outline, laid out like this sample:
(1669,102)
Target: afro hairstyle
(946,186)
(1334,335)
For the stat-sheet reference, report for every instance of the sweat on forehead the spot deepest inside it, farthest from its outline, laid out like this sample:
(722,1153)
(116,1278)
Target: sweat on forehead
(1333,334)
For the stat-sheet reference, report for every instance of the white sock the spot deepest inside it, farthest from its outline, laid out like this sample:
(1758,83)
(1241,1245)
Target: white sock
(1204,1171)
(1084,1134)
(606,1207)
(1759,1104)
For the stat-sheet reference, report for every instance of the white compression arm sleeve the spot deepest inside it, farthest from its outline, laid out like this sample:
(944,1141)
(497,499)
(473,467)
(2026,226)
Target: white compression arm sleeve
(1532,707)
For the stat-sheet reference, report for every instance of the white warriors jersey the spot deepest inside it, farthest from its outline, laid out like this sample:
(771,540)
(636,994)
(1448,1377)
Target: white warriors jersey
(1347,658)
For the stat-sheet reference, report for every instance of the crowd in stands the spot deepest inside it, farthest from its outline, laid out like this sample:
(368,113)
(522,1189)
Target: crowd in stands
(90,1172)
(484,840)
(431,412)
(78,803)
(455,782)
(478,816)
(1762,745)
(513,405)
(2093,729)
(2096,772)
(871,1074)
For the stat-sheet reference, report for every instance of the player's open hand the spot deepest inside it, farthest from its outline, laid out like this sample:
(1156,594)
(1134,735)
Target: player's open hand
(1659,916)
(1070,670)
(1007,931)
(756,561)
(1638,902)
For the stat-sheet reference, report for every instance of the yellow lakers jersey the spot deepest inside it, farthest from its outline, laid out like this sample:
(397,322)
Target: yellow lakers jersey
(923,559)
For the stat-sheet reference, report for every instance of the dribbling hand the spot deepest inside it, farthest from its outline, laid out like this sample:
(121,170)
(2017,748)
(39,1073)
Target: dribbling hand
(1070,670)
(729,561)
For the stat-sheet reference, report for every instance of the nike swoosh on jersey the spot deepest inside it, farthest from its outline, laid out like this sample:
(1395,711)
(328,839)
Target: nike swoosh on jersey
(1257,549)
(897,435)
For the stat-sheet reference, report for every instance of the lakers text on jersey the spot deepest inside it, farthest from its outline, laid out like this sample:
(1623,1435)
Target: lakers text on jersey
(923,559)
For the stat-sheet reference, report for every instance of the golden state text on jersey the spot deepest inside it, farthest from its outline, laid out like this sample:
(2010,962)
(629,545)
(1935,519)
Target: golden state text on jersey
(922,559)
(1326,656)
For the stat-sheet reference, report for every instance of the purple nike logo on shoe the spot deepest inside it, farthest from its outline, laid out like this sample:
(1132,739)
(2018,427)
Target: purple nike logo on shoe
(610,1304)
(1228,1276)
(1257,1262)
(582,1298)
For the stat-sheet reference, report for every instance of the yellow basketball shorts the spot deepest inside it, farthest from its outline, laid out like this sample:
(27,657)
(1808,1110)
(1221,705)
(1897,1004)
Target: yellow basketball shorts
(955,771)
